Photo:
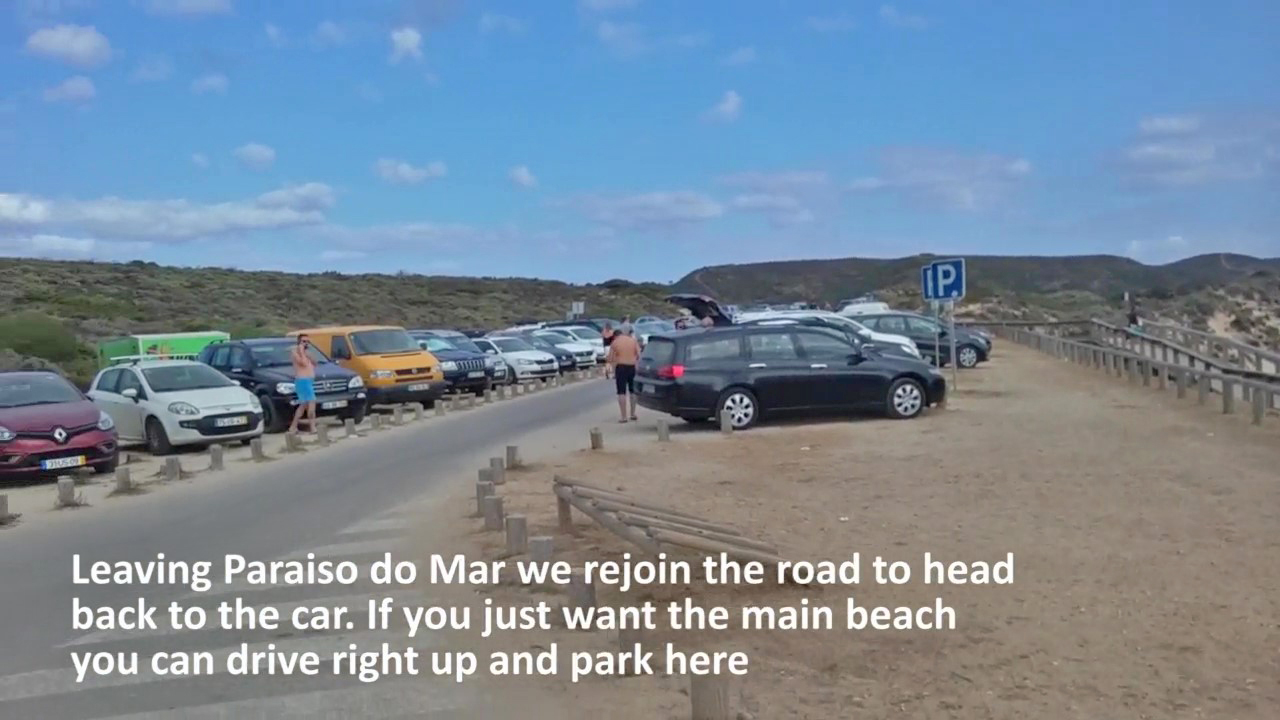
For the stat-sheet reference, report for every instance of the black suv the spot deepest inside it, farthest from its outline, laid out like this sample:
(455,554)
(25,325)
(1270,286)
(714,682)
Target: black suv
(931,336)
(756,369)
(465,369)
(264,367)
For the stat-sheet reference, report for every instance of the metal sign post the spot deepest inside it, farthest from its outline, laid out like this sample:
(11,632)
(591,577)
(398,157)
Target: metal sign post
(934,305)
(955,362)
(945,281)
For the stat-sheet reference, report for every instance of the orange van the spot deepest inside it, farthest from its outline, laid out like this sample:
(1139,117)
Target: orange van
(394,367)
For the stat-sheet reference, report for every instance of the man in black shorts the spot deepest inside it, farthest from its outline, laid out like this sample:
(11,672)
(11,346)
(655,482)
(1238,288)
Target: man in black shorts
(624,354)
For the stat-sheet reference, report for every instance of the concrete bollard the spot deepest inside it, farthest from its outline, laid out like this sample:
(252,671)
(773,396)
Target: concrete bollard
(418,413)
(709,697)
(485,475)
(292,442)
(1228,397)
(502,392)
(216,461)
(1259,405)
(350,425)
(494,518)
(582,594)
(488,396)
(5,517)
(631,640)
(124,480)
(664,431)
(1180,382)
(172,469)
(439,404)
(1144,367)
(256,451)
(726,422)
(498,469)
(1162,377)
(67,492)
(597,439)
(484,489)
(397,415)
(375,421)
(517,534)
(471,401)
(542,549)
(513,456)
(322,435)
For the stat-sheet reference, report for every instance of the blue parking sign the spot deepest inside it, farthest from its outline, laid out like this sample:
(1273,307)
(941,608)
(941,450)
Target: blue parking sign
(943,280)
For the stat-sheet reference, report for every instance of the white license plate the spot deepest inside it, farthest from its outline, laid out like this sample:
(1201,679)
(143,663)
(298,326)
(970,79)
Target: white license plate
(333,405)
(419,388)
(476,374)
(649,389)
(231,421)
(67,462)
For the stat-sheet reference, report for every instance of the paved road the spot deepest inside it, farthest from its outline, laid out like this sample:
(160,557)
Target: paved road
(345,503)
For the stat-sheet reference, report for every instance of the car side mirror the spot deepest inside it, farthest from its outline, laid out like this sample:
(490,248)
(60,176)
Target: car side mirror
(856,357)
(131,393)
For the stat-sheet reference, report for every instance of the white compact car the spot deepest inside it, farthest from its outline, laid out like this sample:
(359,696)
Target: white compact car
(907,344)
(524,361)
(588,335)
(584,354)
(167,403)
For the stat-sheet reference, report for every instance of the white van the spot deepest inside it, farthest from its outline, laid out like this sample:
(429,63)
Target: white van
(863,308)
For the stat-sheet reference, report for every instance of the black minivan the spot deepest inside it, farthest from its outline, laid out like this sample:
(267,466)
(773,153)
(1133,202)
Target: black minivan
(756,370)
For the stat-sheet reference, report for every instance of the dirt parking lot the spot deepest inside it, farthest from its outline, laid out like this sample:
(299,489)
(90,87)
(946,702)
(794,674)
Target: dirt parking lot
(1146,532)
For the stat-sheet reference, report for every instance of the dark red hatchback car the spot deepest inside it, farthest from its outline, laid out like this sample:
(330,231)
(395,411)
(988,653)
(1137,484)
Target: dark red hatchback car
(48,427)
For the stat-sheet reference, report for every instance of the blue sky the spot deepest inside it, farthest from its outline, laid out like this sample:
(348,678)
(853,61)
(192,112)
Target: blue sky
(590,139)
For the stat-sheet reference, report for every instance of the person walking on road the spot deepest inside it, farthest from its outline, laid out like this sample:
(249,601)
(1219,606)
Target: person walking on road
(304,384)
(624,354)
(607,334)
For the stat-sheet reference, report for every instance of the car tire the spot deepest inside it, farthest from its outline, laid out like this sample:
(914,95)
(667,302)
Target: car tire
(271,420)
(157,438)
(694,419)
(109,466)
(968,356)
(357,416)
(905,399)
(743,407)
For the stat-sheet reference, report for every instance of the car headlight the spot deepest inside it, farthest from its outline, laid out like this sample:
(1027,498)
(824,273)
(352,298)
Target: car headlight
(6,434)
(355,382)
(183,408)
(284,388)
(525,361)
(104,421)
(911,350)
(448,366)
(382,374)
(490,362)
(254,402)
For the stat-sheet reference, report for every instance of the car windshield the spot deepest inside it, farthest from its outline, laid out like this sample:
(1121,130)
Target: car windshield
(539,342)
(435,343)
(381,342)
(586,332)
(462,342)
(282,354)
(195,376)
(507,345)
(37,390)
(659,326)
(556,336)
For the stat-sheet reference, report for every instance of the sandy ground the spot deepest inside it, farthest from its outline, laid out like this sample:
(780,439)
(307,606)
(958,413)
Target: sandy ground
(1144,530)
(36,501)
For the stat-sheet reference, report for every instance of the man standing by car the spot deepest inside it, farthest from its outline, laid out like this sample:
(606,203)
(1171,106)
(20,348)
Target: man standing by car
(624,354)
(304,384)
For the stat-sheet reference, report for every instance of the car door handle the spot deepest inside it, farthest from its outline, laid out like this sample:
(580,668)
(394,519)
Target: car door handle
(818,366)
(757,365)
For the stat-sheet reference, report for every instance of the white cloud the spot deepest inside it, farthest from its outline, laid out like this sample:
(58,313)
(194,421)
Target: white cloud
(399,172)
(646,211)
(75,89)
(831,24)
(342,254)
(255,156)
(61,247)
(890,15)
(946,179)
(153,69)
(741,56)
(200,160)
(607,5)
(275,35)
(18,209)
(783,182)
(727,110)
(521,176)
(622,39)
(779,209)
(330,34)
(188,8)
(308,196)
(210,83)
(406,44)
(79,45)
(495,22)
(1184,150)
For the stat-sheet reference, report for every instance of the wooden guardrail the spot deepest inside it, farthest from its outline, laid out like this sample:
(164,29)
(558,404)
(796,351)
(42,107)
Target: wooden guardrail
(1262,398)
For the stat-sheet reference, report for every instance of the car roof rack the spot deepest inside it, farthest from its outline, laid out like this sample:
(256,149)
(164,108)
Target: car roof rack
(135,359)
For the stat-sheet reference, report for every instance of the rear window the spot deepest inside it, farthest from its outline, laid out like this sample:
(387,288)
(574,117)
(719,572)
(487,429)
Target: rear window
(660,352)
(723,348)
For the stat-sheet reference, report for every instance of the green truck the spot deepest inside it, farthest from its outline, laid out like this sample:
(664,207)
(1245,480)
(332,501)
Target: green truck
(175,345)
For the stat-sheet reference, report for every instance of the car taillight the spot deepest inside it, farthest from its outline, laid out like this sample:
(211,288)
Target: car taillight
(671,372)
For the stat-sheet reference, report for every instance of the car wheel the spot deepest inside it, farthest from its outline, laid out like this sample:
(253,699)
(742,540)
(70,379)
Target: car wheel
(108,467)
(157,438)
(968,356)
(742,406)
(357,416)
(271,420)
(905,400)
(246,442)
(694,419)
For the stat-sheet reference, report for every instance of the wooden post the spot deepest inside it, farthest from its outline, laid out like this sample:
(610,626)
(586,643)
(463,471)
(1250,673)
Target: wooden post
(493,515)
(256,451)
(1203,388)
(485,475)
(1228,396)
(664,431)
(172,469)
(1144,367)
(1162,376)
(582,594)
(397,417)
(564,515)
(1259,405)
(350,425)
(542,549)
(322,435)
(709,697)
(517,534)
(497,471)
(597,439)
(124,480)
(1180,380)
(215,457)
(67,492)
(513,456)
(483,490)
(726,422)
